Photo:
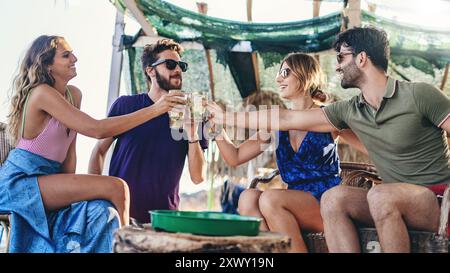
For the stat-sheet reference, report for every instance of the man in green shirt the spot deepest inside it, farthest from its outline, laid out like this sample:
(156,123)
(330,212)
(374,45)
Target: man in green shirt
(403,127)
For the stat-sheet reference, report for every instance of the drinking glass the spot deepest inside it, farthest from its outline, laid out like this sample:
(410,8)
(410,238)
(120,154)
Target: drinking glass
(177,114)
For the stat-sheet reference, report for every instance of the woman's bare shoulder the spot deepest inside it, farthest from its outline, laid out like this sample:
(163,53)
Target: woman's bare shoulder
(76,93)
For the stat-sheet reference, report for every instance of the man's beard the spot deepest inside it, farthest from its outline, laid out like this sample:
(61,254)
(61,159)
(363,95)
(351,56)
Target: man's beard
(165,83)
(352,76)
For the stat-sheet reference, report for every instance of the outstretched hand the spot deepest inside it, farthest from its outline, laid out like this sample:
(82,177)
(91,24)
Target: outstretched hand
(217,115)
(168,101)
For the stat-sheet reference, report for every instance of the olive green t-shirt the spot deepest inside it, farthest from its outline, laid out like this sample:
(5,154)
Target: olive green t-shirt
(403,137)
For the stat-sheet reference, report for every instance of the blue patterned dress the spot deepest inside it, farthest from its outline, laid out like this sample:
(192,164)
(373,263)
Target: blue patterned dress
(314,168)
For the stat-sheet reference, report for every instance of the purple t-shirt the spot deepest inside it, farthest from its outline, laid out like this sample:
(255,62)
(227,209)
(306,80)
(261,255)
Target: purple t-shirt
(149,159)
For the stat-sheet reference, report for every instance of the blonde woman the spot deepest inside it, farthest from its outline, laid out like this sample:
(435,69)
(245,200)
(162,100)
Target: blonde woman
(38,182)
(308,161)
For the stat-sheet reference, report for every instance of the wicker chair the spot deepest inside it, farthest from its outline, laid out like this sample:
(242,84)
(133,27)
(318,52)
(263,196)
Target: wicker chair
(365,176)
(5,147)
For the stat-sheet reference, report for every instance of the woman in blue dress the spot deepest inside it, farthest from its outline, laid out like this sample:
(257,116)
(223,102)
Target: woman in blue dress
(308,162)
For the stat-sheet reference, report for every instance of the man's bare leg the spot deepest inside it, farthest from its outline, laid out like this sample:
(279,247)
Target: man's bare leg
(340,207)
(397,206)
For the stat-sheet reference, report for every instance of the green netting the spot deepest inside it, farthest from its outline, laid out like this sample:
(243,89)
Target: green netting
(414,46)
(183,25)
(411,46)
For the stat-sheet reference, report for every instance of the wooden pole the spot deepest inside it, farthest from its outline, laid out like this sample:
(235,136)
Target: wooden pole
(353,12)
(254,54)
(316,8)
(249,10)
(444,78)
(203,9)
(316,13)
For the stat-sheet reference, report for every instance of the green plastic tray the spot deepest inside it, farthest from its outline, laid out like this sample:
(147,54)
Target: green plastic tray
(205,223)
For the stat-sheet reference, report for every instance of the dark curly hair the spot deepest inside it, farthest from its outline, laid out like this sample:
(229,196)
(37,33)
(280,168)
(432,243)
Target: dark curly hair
(369,39)
(151,51)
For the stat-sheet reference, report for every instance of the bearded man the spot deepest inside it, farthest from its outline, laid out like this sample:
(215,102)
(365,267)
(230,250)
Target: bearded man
(149,157)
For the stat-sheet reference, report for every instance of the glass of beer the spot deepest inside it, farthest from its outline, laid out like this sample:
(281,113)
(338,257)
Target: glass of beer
(197,102)
(177,114)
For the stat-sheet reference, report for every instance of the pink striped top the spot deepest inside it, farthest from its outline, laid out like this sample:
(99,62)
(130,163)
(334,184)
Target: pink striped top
(52,143)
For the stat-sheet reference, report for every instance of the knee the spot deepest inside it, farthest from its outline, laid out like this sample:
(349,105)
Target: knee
(248,202)
(333,200)
(382,204)
(120,189)
(270,201)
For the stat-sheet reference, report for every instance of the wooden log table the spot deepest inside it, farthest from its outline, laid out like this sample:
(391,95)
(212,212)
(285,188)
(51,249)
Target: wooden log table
(132,239)
(421,242)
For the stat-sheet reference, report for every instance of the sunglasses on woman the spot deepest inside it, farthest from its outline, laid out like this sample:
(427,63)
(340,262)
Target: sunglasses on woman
(284,73)
(171,64)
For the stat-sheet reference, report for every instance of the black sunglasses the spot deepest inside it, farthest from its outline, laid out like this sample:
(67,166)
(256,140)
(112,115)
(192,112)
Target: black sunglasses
(171,64)
(340,56)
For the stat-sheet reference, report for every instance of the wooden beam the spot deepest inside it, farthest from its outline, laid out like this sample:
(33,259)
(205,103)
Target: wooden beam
(444,78)
(254,54)
(116,61)
(140,17)
(256,69)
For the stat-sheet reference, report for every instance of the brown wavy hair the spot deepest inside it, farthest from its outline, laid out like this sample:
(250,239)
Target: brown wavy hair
(309,73)
(33,71)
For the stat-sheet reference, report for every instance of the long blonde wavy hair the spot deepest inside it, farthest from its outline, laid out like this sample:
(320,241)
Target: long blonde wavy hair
(33,71)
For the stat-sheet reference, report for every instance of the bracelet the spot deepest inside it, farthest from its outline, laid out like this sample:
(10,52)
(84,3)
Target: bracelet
(191,142)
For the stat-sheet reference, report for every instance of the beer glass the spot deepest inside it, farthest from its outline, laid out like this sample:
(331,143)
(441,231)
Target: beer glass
(197,102)
(177,114)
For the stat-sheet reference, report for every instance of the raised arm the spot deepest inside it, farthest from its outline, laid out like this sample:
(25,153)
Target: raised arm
(237,155)
(274,119)
(46,99)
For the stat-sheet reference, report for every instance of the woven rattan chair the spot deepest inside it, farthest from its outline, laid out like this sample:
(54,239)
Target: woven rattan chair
(365,176)
(5,147)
